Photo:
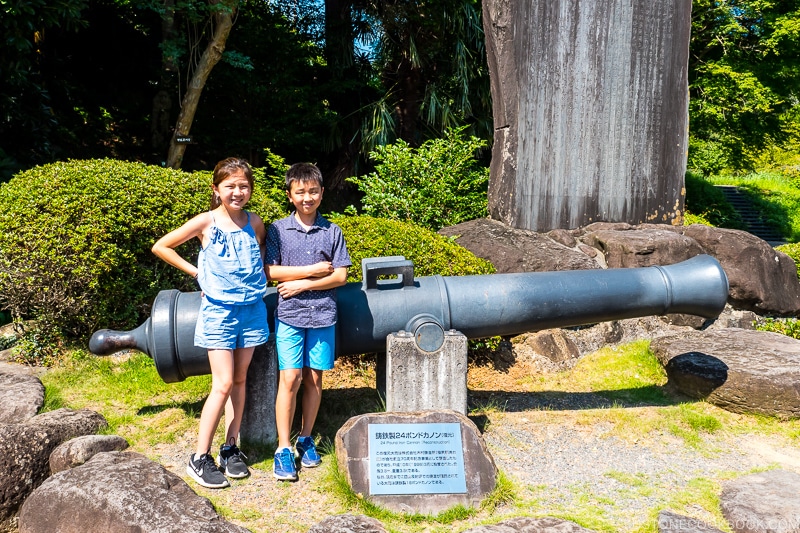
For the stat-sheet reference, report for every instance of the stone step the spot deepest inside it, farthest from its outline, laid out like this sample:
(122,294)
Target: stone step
(750,215)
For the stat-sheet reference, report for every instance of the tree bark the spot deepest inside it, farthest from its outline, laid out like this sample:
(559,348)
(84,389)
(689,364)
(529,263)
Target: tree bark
(590,104)
(223,22)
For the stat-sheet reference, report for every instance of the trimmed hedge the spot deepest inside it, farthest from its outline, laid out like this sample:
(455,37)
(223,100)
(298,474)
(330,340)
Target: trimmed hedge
(431,253)
(75,239)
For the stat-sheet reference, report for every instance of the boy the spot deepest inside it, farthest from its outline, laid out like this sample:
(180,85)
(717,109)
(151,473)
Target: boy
(308,258)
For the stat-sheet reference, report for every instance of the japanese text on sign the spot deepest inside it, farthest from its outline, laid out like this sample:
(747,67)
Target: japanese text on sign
(416,459)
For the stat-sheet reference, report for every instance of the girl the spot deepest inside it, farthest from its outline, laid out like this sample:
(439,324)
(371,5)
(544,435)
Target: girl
(233,316)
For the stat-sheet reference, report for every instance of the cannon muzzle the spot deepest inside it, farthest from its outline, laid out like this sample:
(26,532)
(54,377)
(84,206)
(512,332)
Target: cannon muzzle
(477,306)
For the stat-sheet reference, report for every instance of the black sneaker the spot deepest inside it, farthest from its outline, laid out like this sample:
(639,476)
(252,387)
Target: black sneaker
(231,460)
(204,471)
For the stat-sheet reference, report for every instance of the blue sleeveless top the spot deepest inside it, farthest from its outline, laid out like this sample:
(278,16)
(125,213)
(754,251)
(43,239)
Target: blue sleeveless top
(230,268)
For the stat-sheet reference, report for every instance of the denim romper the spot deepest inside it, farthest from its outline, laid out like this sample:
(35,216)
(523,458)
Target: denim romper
(231,274)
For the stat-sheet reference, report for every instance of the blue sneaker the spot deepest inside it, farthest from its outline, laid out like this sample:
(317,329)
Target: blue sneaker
(307,452)
(284,467)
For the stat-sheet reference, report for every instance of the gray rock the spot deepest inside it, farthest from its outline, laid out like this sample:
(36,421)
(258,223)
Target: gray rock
(515,250)
(25,451)
(641,247)
(761,278)
(531,525)
(119,491)
(21,397)
(352,454)
(669,522)
(77,451)
(348,523)
(550,350)
(740,370)
(764,502)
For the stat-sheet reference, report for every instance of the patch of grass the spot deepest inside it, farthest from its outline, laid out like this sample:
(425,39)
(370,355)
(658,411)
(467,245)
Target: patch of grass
(630,374)
(130,395)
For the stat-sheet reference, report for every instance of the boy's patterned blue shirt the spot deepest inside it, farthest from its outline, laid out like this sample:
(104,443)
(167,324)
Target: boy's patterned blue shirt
(289,244)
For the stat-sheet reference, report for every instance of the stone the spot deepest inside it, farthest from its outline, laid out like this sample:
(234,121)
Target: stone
(761,278)
(739,370)
(418,380)
(258,418)
(348,523)
(531,525)
(764,502)
(550,350)
(642,247)
(77,451)
(21,397)
(589,107)
(352,455)
(119,491)
(515,250)
(25,453)
(669,522)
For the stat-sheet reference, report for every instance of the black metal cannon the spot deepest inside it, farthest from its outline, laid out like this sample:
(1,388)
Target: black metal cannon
(390,299)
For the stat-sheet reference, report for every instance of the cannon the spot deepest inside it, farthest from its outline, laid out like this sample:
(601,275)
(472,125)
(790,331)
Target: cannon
(390,299)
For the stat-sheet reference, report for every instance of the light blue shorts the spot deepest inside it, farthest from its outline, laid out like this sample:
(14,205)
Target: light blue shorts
(305,347)
(223,326)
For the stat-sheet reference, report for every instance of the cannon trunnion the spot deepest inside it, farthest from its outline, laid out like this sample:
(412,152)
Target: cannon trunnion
(477,306)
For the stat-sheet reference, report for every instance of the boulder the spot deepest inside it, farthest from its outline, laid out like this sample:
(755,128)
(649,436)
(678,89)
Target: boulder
(740,370)
(761,278)
(550,350)
(77,451)
(531,525)
(348,523)
(669,522)
(515,250)
(764,502)
(642,247)
(353,456)
(21,397)
(119,491)
(25,452)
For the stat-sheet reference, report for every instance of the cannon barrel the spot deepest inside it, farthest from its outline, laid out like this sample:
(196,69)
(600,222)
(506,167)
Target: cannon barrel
(477,306)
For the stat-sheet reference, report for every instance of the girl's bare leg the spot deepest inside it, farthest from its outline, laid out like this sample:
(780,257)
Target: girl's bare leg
(221,384)
(234,407)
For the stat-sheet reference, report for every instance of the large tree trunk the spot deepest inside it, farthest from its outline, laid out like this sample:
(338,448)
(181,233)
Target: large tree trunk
(223,22)
(590,106)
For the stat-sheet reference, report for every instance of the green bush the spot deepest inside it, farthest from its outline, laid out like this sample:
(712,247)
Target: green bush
(431,253)
(75,239)
(439,184)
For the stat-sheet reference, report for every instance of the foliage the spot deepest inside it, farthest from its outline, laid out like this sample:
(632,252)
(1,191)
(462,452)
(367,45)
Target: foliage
(431,253)
(27,123)
(792,250)
(40,344)
(439,184)
(785,326)
(431,70)
(743,82)
(280,102)
(75,239)
(706,201)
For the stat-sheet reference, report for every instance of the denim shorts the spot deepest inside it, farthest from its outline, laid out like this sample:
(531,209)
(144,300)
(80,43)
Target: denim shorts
(305,347)
(227,327)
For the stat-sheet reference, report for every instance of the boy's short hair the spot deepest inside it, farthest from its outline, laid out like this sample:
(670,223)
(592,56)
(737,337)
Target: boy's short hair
(302,172)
